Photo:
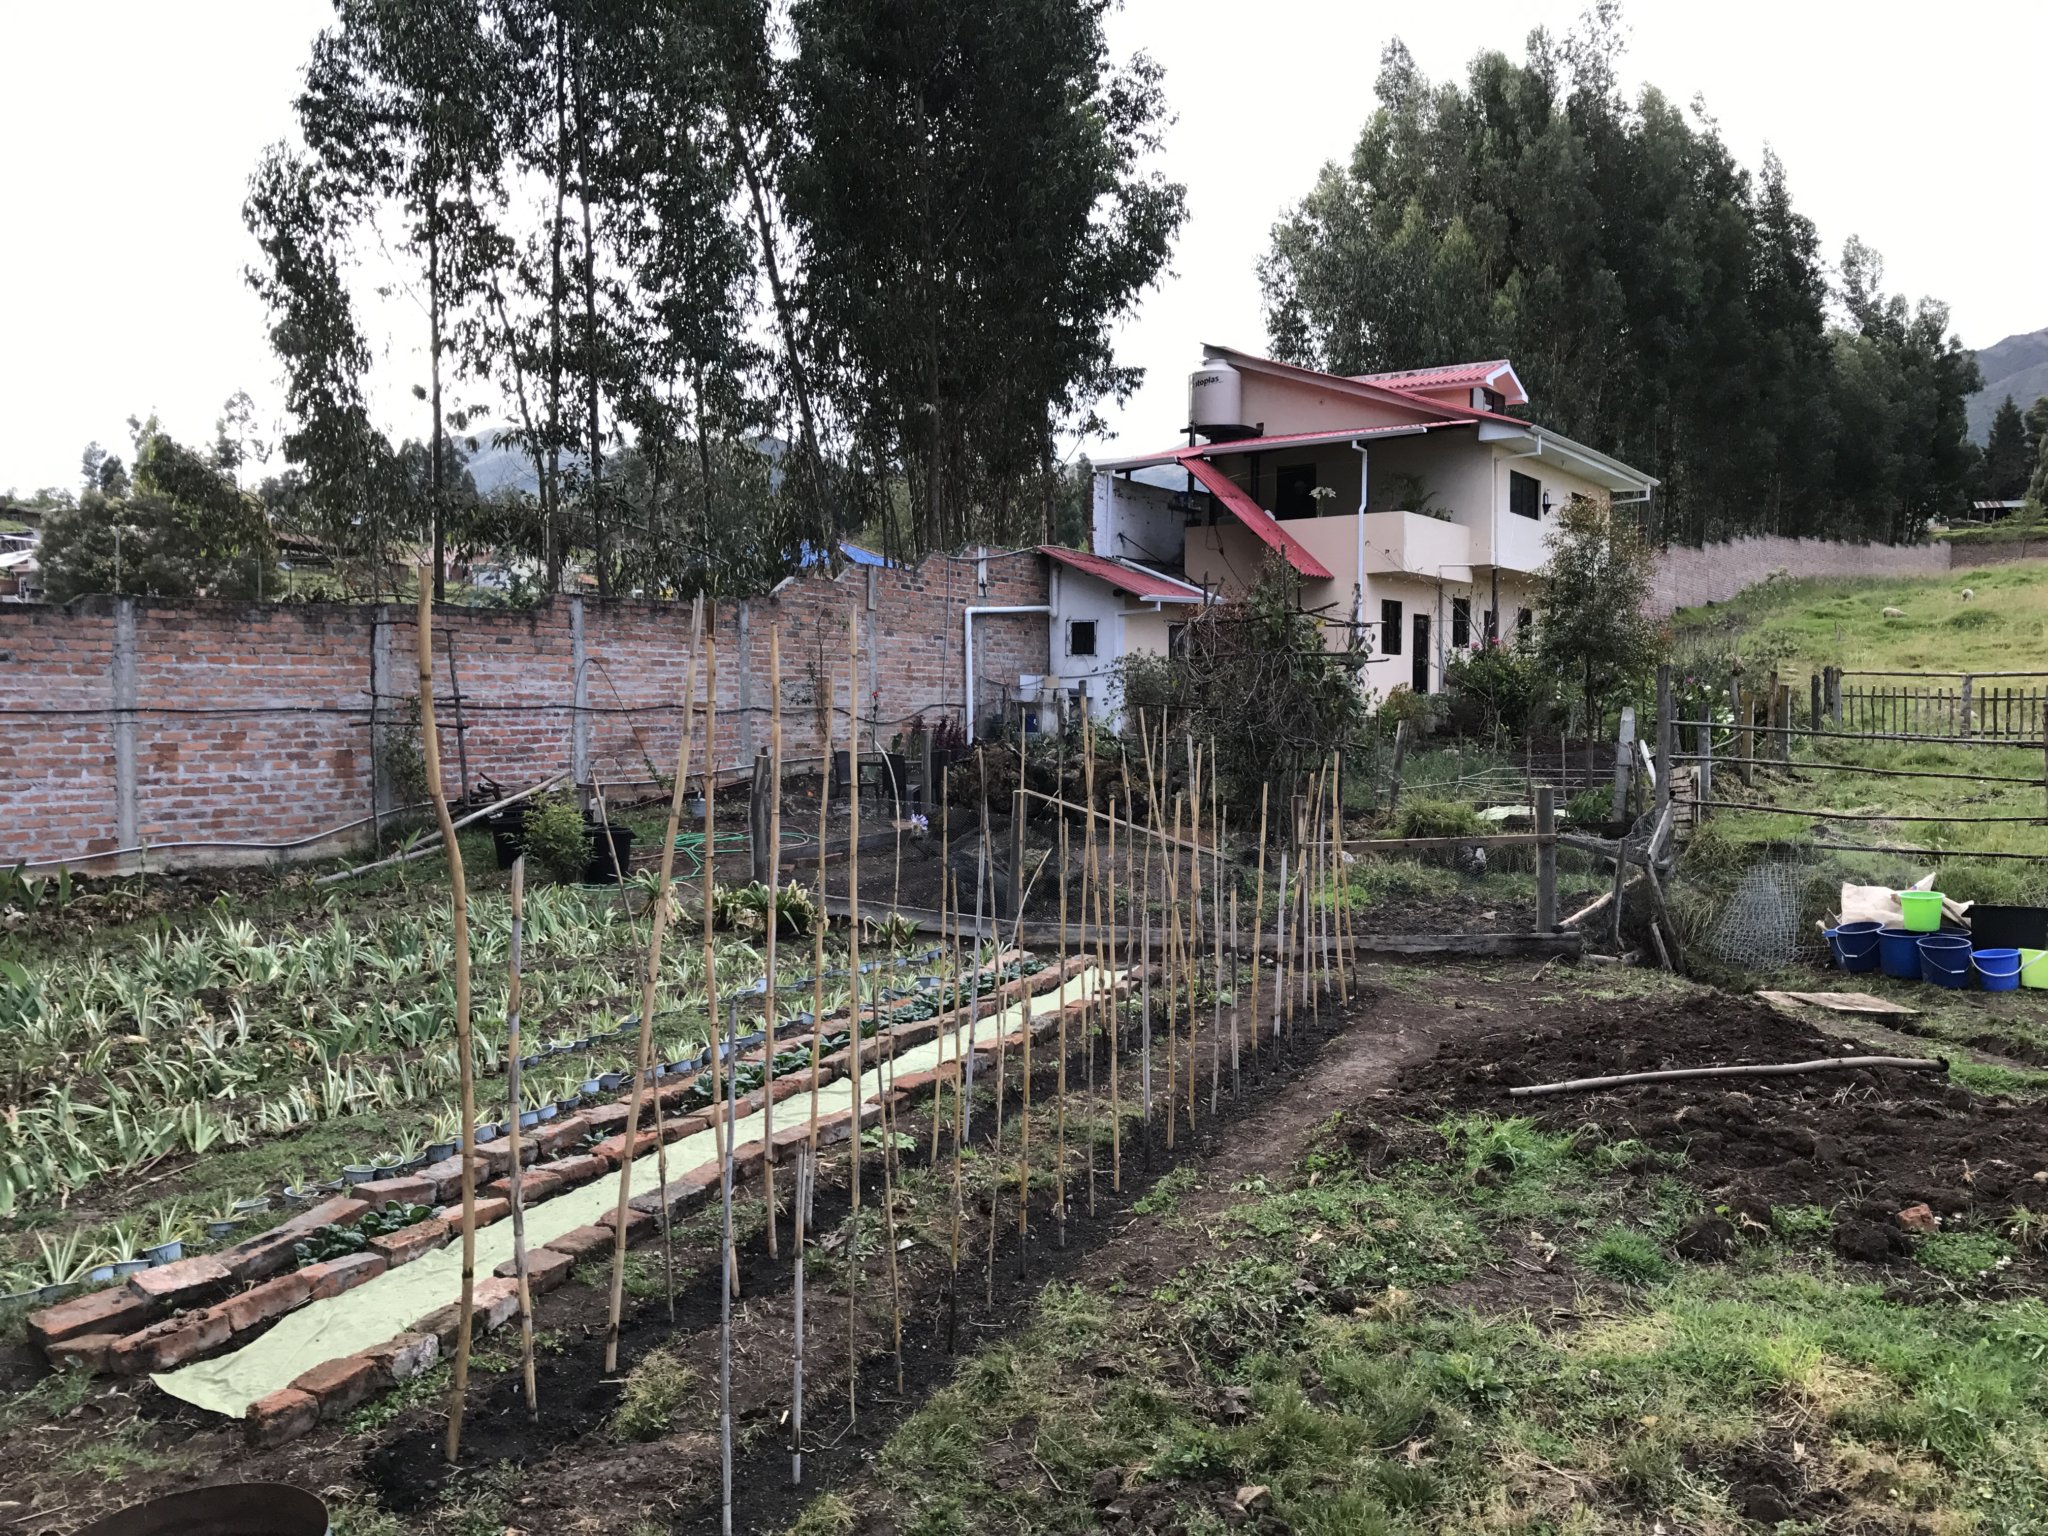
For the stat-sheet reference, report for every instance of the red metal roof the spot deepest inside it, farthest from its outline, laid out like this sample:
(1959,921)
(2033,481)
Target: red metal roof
(1450,376)
(1126,576)
(1256,518)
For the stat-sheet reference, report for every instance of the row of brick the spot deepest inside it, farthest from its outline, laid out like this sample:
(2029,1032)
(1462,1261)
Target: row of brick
(334,1388)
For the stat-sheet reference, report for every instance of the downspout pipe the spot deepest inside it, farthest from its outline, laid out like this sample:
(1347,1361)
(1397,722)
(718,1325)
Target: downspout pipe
(967,618)
(1358,558)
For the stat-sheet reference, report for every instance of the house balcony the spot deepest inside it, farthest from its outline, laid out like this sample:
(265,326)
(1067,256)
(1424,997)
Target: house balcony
(1392,543)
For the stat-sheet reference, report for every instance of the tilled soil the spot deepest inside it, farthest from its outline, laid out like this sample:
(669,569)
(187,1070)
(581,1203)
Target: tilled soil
(1864,1143)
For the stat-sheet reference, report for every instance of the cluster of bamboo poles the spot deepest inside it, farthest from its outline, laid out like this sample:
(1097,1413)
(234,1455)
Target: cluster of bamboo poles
(1191,941)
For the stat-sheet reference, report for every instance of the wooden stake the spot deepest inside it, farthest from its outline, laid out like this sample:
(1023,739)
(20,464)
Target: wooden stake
(818,928)
(430,752)
(728,1111)
(802,1203)
(516,1179)
(774,922)
(1280,948)
(1059,1096)
(1093,1014)
(889,1201)
(658,926)
(720,1068)
(1002,1032)
(1236,1002)
(1259,912)
(1173,977)
(1105,902)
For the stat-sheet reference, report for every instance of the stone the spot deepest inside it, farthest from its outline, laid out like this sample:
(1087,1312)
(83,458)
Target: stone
(267,1253)
(494,1303)
(446,1176)
(170,1285)
(489,1208)
(283,1415)
(534,1184)
(680,1195)
(579,1169)
(639,1224)
(89,1352)
(1253,1497)
(408,1243)
(402,1358)
(407,1189)
(264,1303)
(546,1269)
(166,1345)
(581,1242)
(331,1277)
(613,1148)
(117,1310)
(1919,1218)
(338,1385)
(604,1119)
(558,1134)
(496,1157)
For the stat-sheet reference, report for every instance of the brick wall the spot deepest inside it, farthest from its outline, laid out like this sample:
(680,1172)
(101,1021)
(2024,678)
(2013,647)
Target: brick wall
(195,728)
(1716,572)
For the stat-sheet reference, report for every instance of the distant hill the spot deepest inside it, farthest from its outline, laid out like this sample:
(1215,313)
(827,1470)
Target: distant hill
(2016,366)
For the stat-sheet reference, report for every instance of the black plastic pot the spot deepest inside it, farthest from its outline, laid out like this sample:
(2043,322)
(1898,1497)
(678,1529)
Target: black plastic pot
(508,834)
(227,1509)
(607,865)
(1995,927)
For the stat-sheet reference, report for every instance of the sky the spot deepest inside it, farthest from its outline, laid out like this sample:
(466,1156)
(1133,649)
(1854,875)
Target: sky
(128,129)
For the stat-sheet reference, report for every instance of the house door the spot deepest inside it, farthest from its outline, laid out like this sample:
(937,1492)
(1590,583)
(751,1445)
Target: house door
(1420,660)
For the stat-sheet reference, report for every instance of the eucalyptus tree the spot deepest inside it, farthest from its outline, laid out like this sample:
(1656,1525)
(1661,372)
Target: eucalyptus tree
(967,188)
(401,109)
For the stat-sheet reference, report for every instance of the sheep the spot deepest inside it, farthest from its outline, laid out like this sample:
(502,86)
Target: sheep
(1895,613)
(1968,593)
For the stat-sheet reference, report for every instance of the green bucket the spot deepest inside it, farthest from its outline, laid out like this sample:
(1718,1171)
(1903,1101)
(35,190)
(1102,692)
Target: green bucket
(1922,910)
(2034,968)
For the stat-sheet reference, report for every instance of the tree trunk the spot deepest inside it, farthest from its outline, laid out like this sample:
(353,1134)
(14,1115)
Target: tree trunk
(434,372)
(554,531)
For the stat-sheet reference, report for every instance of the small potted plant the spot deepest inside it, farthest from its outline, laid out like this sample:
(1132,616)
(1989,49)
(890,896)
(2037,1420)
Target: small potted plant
(252,1205)
(124,1246)
(610,1082)
(358,1173)
(222,1220)
(172,1226)
(412,1154)
(387,1165)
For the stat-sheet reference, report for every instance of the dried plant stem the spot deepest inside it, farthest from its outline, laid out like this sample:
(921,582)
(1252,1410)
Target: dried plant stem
(516,1178)
(768,998)
(430,751)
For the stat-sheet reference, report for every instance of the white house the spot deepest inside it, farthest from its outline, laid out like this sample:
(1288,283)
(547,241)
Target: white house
(1412,505)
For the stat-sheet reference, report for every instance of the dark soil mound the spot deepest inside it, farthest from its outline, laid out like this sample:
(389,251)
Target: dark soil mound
(1864,1143)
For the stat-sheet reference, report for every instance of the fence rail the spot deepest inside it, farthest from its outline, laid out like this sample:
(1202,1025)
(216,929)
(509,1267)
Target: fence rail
(2010,713)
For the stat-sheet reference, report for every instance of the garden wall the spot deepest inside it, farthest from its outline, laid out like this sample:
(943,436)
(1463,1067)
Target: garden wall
(212,732)
(1687,577)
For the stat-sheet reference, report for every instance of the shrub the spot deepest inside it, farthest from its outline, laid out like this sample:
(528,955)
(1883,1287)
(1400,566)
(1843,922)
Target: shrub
(1438,818)
(1624,1254)
(1496,687)
(1589,808)
(555,839)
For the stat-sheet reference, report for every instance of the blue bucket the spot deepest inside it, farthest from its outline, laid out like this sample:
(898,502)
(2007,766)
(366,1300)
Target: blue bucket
(1855,946)
(1898,953)
(1999,969)
(1945,960)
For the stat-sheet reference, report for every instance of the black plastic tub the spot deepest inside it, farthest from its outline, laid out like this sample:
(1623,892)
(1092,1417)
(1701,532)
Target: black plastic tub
(1994,927)
(508,834)
(608,864)
(227,1509)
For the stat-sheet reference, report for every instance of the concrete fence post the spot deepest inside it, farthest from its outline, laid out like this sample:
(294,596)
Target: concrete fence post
(1546,858)
(127,794)
(1624,748)
(1665,729)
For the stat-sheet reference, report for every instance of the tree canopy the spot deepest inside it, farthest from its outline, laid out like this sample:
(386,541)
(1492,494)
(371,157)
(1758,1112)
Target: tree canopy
(1660,302)
(743,279)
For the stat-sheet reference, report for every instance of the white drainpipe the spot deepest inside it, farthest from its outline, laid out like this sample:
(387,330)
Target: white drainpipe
(967,645)
(1358,559)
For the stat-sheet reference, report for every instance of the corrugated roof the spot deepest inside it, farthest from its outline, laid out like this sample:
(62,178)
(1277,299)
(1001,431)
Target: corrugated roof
(1126,576)
(1487,374)
(1257,519)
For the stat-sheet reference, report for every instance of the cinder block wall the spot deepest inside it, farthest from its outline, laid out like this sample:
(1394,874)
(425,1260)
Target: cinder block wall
(188,729)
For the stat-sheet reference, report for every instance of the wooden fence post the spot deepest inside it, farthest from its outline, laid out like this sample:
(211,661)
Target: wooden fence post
(758,841)
(1745,703)
(1016,879)
(1704,773)
(1784,723)
(1546,858)
(1665,729)
(1969,711)
(1624,745)
(1400,754)
(1814,705)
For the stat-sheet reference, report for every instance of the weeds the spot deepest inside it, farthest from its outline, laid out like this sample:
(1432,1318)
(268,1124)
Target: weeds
(657,1390)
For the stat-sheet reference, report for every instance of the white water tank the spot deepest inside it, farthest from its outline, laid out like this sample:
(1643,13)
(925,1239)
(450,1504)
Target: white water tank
(1216,400)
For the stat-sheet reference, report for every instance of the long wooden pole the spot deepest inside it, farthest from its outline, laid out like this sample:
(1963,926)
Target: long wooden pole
(430,752)
(728,1111)
(774,922)
(1094,1014)
(1258,912)
(1105,900)
(796,1392)
(853,968)
(719,1066)
(819,925)
(663,902)
(516,1178)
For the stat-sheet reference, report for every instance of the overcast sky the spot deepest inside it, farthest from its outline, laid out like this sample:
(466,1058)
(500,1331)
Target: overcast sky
(128,129)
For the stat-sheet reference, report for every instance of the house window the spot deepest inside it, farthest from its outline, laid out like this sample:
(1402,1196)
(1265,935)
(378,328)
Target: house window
(1390,627)
(1461,622)
(1523,618)
(1081,637)
(1294,491)
(1176,639)
(1525,495)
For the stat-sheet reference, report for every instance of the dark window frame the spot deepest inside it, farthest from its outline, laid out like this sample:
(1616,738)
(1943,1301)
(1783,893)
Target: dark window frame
(1390,626)
(1461,622)
(1074,628)
(1525,496)
(1294,497)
